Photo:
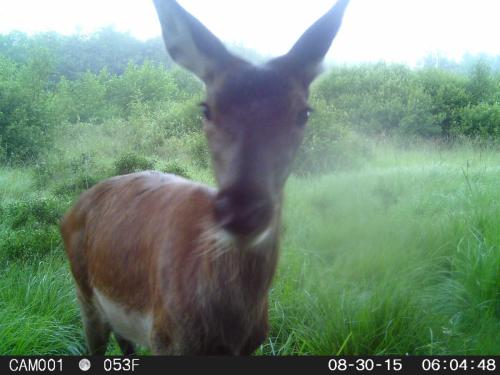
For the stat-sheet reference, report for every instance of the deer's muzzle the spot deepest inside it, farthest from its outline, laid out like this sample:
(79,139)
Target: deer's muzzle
(243,213)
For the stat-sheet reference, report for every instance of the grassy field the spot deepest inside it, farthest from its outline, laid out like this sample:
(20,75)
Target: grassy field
(399,256)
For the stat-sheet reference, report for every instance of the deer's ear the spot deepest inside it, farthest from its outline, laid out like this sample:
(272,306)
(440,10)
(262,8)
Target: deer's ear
(190,43)
(305,58)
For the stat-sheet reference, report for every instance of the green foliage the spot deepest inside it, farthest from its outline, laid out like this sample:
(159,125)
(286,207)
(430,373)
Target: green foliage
(153,125)
(29,228)
(181,118)
(130,162)
(198,148)
(448,94)
(24,120)
(399,252)
(328,145)
(68,177)
(28,243)
(33,212)
(147,83)
(174,167)
(374,99)
(76,185)
(160,103)
(399,257)
(394,100)
(189,86)
(42,89)
(83,99)
(79,53)
(481,85)
(145,93)
(481,120)
(38,311)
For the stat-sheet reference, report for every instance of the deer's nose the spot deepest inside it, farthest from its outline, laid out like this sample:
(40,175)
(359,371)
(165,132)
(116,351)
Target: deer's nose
(243,214)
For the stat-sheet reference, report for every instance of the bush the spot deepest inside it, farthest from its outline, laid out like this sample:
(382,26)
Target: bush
(82,171)
(82,100)
(24,118)
(372,99)
(447,92)
(29,228)
(181,118)
(76,185)
(482,120)
(349,152)
(328,145)
(130,162)
(33,213)
(42,174)
(26,244)
(174,167)
(148,83)
(198,149)
(153,124)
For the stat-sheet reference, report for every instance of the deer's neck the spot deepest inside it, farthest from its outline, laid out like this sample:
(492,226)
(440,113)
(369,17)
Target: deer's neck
(243,266)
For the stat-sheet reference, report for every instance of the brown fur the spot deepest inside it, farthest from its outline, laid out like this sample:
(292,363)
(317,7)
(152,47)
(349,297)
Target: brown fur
(139,239)
(147,250)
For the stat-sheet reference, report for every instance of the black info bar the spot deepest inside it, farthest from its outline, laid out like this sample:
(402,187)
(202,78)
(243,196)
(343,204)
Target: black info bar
(250,365)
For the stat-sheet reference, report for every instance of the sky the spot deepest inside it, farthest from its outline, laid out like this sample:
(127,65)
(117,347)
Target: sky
(373,30)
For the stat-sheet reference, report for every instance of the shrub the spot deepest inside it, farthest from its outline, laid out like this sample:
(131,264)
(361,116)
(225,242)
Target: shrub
(76,185)
(482,120)
(149,83)
(198,148)
(83,99)
(33,213)
(131,162)
(84,165)
(328,145)
(82,171)
(29,228)
(24,118)
(174,167)
(349,152)
(447,92)
(370,98)
(42,174)
(153,124)
(25,244)
(181,118)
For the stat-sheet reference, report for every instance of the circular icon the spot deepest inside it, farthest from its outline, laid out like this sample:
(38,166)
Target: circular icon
(84,364)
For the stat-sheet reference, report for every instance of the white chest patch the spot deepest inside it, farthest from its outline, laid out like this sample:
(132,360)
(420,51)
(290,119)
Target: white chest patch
(262,237)
(131,325)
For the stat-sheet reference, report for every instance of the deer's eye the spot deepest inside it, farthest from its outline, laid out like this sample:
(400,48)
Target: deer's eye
(303,116)
(205,110)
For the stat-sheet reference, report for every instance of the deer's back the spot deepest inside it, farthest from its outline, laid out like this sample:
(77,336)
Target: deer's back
(127,232)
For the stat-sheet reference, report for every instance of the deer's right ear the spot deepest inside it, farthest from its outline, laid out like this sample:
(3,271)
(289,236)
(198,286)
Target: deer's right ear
(190,43)
(303,61)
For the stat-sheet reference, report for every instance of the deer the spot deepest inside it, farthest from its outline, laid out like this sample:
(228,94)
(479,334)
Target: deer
(179,267)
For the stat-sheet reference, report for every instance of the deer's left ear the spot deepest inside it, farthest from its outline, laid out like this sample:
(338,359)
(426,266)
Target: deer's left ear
(190,43)
(305,58)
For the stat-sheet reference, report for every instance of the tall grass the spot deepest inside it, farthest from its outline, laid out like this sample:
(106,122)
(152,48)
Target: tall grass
(394,260)
(38,311)
(399,256)
(14,184)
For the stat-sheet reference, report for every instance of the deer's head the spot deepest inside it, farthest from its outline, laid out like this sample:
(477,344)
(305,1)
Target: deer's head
(254,116)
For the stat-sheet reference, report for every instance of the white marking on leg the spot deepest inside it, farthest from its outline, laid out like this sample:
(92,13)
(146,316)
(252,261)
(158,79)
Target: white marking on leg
(132,325)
